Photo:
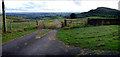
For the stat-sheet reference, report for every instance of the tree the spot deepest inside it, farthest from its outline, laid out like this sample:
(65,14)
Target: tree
(73,16)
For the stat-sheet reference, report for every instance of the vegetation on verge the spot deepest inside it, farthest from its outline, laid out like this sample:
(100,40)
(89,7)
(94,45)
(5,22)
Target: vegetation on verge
(92,37)
(22,28)
(9,36)
(44,32)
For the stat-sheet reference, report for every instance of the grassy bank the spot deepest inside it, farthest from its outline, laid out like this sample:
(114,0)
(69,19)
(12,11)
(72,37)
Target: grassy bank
(44,32)
(22,28)
(9,36)
(92,37)
(49,22)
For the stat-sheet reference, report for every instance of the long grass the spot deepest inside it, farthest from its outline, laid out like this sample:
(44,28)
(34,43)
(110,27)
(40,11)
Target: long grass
(9,36)
(88,37)
(44,32)
(22,28)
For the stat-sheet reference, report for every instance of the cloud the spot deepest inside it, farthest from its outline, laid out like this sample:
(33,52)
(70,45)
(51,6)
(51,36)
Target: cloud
(77,2)
(57,6)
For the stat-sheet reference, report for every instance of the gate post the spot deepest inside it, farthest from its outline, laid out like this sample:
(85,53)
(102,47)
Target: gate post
(65,22)
(37,22)
(11,26)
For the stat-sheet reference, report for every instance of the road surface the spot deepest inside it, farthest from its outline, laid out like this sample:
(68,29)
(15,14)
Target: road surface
(30,45)
(46,45)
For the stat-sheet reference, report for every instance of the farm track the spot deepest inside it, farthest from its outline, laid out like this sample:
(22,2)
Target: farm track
(29,45)
(46,45)
(17,45)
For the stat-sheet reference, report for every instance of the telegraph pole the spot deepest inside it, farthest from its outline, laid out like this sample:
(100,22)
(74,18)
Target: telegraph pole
(4,17)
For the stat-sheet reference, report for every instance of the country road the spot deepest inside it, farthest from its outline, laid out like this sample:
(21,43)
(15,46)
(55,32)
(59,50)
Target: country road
(29,45)
(47,45)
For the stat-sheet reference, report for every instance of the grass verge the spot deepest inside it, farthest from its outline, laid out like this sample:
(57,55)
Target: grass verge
(9,36)
(44,32)
(92,37)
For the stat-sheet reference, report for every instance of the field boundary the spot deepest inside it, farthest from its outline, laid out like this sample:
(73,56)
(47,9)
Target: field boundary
(42,35)
(20,36)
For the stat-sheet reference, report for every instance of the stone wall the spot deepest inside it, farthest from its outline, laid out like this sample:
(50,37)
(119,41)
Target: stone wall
(103,22)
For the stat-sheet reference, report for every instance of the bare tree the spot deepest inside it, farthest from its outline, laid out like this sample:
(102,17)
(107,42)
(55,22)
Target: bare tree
(4,17)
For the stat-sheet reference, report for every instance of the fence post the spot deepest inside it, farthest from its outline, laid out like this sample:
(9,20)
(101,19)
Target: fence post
(11,26)
(37,22)
(43,24)
(88,21)
(65,22)
(29,23)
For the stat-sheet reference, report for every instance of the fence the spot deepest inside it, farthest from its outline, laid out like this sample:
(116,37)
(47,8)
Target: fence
(21,24)
(15,25)
(75,22)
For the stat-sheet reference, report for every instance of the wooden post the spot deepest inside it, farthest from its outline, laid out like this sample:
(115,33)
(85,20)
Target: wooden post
(29,24)
(43,24)
(4,17)
(88,21)
(62,23)
(11,26)
(65,22)
(37,22)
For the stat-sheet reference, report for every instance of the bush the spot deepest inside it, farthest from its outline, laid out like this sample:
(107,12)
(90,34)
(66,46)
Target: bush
(41,26)
(25,28)
(34,27)
(69,25)
(20,30)
(9,31)
(14,31)
(52,27)
(4,34)
(66,27)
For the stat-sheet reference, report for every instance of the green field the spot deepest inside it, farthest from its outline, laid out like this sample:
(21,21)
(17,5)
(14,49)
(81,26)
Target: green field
(49,22)
(23,28)
(92,37)
(14,26)
(20,25)
(10,36)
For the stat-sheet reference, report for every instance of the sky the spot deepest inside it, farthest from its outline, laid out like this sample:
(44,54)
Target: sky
(57,6)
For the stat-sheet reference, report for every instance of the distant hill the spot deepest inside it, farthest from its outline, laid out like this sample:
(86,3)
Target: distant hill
(14,18)
(39,15)
(17,18)
(100,11)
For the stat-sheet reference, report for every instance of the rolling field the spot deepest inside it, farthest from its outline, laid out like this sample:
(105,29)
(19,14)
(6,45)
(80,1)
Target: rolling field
(9,36)
(49,22)
(18,25)
(22,28)
(92,37)
(21,25)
